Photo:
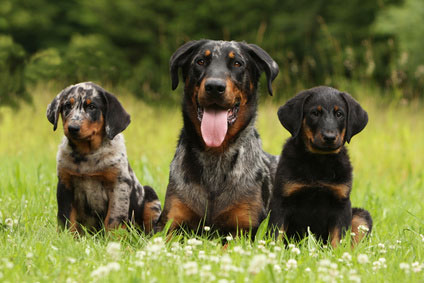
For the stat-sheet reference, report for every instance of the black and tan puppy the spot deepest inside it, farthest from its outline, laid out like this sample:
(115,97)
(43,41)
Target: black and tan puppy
(220,176)
(314,176)
(97,187)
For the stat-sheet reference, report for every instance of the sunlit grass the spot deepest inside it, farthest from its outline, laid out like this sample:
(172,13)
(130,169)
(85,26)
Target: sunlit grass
(388,181)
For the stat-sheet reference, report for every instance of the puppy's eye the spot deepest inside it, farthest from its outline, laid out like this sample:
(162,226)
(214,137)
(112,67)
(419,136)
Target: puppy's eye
(339,114)
(67,106)
(91,107)
(200,62)
(315,113)
(237,64)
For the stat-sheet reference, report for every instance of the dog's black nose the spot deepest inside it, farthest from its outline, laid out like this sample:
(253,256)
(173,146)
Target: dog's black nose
(329,137)
(73,129)
(215,86)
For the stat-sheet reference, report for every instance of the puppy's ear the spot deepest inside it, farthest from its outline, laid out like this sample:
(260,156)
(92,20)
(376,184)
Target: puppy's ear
(264,62)
(180,58)
(357,117)
(291,113)
(116,118)
(54,108)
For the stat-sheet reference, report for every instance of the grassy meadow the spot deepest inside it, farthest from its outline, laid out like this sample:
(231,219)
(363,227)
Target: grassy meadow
(388,181)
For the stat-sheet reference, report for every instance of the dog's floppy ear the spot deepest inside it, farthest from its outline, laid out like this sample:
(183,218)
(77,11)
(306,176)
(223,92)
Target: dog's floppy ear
(180,58)
(116,118)
(53,109)
(357,117)
(264,62)
(291,113)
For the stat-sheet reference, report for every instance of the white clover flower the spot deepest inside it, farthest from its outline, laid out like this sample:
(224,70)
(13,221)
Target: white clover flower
(363,228)
(158,240)
(194,242)
(226,259)
(72,260)
(190,268)
(272,243)
(295,251)
(229,238)
(277,268)
(139,263)
(376,265)
(261,242)
(291,264)
(416,267)
(277,249)
(8,264)
(257,263)
(307,269)
(238,249)
(29,255)
(103,271)
(324,262)
(54,248)
(291,246)
(404,266)
(207,228)
(272,256)
(114,249)
(140,254)
(363,258)
(422,237)
(381,245)
(346,257)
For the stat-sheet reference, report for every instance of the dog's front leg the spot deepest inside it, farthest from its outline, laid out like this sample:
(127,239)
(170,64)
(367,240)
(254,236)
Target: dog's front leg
(118,207)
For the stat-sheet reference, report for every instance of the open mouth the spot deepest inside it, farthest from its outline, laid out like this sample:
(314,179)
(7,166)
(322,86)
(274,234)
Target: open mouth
(215,121)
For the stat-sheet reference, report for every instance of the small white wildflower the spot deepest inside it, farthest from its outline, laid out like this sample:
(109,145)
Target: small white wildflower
(277,249)
(140,254)
(307,269)
(381,245)
(139,263)
(295,251)
(276,268)
(207,228)
(272,256)
(346,256)
(158,240)
(114,249)
(194,242)
(9,222)
(229,238)
(72,260)
(363,258)
(257,263)
(291,264)
(113,266)
(54,248)
(353,234)
(404,266)
(416,267)
(272,243)
(363,228)
(87,251)
(261,242)
(376,265)
(190,268)
(422,237)
(238,249)
(291,246)
(29,255)
(8,264)
(226,259)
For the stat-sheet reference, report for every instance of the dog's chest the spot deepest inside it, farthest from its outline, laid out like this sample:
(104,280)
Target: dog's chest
(91,195)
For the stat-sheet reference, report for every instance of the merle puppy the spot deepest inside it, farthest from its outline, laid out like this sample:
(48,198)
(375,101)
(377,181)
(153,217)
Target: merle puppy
(220,176)
(314,176)
(97,187)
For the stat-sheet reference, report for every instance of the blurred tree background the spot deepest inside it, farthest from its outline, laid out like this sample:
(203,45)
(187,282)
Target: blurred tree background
(128,43)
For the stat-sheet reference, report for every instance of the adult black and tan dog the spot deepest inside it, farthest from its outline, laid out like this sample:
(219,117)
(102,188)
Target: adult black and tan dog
(220,176)
(314,176)
(97,187)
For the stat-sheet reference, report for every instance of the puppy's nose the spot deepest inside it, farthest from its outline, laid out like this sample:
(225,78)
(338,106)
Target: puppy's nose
(73,129)
(329,137)
(215,86)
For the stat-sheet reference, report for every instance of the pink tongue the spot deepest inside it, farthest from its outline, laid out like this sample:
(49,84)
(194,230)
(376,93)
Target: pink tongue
(214,126)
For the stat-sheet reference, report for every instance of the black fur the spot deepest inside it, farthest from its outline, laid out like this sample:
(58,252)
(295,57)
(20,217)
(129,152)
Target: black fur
(314,178)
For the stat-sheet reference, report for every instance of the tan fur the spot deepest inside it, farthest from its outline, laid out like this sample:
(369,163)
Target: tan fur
(356,222)
(335,236)
(339,190)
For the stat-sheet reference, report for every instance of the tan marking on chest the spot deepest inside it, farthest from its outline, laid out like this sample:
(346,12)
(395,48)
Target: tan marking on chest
(339,190)
(108,176)
(242,215)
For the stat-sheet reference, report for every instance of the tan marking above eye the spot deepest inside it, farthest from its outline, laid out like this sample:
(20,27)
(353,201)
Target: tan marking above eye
(319,108)
(72,100)
(207,52)
(88,101)
(232,55)
(336,108)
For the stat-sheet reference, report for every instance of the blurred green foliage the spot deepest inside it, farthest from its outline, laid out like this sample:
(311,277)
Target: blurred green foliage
(129,42)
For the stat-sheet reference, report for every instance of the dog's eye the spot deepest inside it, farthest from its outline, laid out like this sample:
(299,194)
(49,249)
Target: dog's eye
(315,113)
(91,107)
(237,64)
(339,114)
(200,62)
(67,106)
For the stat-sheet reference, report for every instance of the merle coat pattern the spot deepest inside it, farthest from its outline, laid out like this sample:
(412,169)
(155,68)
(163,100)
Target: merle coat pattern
(314,176)
(220,176)
(97,187)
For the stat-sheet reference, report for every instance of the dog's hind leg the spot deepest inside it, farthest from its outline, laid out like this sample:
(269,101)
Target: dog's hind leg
(361,224)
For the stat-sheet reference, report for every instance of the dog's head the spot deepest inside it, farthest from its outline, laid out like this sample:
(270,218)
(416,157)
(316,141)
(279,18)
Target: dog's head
(221,79)
(89,113)
(324,118)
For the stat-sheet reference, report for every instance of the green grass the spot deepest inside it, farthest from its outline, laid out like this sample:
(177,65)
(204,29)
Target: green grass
(389,182)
